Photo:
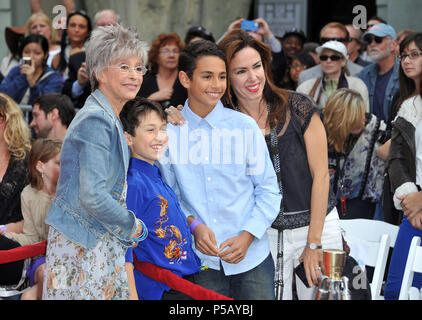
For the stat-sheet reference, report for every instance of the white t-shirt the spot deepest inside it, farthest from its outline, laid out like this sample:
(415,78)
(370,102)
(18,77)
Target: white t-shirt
(418,144)
(51,55)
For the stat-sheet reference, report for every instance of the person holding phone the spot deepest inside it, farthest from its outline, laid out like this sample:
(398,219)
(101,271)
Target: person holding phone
(32,78)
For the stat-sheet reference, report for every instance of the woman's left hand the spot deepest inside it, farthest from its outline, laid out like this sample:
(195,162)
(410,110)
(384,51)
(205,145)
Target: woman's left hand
(411,203)
(312,261)
(416,220)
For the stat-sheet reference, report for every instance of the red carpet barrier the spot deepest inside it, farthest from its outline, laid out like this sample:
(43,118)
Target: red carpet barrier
(177,283)
(22,253)
(150,270)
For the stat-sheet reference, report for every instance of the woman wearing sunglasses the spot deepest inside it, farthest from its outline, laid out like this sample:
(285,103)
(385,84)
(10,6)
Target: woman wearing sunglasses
(333,57)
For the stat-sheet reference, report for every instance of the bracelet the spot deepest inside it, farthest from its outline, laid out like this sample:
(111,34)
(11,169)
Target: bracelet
(144,232)
(194,224)
(3,228)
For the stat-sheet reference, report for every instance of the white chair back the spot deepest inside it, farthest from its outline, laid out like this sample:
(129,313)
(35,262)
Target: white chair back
(369,242)
(413,264)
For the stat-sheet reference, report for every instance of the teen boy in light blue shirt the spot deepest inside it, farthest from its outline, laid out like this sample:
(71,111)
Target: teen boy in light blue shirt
(219,166)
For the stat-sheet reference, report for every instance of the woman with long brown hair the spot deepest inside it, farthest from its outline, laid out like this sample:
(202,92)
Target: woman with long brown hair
(405,168)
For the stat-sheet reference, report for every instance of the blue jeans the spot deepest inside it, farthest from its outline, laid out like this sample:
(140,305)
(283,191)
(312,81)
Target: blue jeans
(398,261)
(255,284)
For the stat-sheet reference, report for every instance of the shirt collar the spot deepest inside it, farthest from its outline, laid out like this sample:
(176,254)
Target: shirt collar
(213,118)
(144,167)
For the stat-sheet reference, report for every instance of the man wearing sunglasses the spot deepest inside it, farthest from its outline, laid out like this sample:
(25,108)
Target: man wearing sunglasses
(382,77)
(333,31)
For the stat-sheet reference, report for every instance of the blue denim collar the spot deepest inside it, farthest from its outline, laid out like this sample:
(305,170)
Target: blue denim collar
(103,102)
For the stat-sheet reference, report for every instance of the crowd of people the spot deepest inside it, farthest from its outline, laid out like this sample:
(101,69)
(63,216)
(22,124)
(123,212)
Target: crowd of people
(228,162)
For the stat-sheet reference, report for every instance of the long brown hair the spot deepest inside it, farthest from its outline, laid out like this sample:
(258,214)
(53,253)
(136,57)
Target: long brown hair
(276,97)
(407,85)
(42,150)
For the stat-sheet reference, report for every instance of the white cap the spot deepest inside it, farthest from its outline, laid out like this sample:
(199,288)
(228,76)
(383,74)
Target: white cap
(335,46)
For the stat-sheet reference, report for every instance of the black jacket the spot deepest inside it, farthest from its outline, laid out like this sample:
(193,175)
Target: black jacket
(402,164)
(75,62)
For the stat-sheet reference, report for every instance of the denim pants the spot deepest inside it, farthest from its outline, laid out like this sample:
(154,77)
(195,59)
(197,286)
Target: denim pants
(398,261)
(255,284)
(294,242)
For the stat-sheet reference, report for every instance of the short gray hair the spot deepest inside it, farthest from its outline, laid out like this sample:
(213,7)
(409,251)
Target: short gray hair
(109,44)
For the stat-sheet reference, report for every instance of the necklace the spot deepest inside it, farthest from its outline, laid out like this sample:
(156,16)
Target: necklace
(259,115)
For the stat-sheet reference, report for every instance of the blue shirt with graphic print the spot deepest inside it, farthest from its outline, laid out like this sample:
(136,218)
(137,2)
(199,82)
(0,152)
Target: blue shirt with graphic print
(169,242)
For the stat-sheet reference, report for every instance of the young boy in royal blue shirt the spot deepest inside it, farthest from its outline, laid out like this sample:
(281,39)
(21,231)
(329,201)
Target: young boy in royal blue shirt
(169,242)
(219,166)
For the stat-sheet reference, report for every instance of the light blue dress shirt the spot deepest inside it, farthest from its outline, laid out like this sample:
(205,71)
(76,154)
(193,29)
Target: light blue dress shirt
(219,167)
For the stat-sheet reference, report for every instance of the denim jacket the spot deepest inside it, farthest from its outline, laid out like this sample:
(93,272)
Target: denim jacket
(91,191)
(369,76)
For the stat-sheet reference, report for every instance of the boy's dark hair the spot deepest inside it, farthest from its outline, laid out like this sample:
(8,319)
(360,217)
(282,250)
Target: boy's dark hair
(61,102)
(193,51)
(198,31)
(134,109)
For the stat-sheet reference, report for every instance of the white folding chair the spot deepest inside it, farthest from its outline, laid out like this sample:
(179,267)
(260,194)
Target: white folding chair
(413,264)
(369,242)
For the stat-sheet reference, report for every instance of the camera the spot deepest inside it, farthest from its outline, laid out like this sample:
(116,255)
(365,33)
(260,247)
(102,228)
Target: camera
(26,60)
(249,25)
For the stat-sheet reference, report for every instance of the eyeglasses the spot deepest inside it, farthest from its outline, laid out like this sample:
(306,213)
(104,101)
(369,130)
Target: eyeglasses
(343,40)
(412,56)
(167,52)
(369,39)
(334,57)
(126,69)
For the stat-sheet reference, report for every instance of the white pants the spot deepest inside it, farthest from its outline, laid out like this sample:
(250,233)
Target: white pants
(294,244)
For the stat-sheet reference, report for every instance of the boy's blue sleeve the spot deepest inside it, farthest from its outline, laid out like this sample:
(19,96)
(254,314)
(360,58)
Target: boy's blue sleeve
(129,255)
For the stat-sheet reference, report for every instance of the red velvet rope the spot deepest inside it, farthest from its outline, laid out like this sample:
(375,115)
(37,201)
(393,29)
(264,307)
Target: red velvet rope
(22,253)
(150,270)
(176,283)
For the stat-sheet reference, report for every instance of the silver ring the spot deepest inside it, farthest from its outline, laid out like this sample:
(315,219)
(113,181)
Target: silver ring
(317,268)
(169,112)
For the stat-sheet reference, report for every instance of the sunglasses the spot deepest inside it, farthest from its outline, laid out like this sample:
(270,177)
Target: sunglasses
(343,40)
(369,39)
(334,57)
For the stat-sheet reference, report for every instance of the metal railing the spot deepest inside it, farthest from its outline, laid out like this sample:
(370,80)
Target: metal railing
(27,111)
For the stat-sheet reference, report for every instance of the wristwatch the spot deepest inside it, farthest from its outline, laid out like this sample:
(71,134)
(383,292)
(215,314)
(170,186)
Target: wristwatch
(313,246)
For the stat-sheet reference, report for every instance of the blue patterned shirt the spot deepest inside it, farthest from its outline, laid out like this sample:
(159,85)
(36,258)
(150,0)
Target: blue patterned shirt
(169,242)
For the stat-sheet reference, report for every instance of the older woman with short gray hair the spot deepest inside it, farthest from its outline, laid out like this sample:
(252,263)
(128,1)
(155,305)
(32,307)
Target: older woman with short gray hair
(90,226)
